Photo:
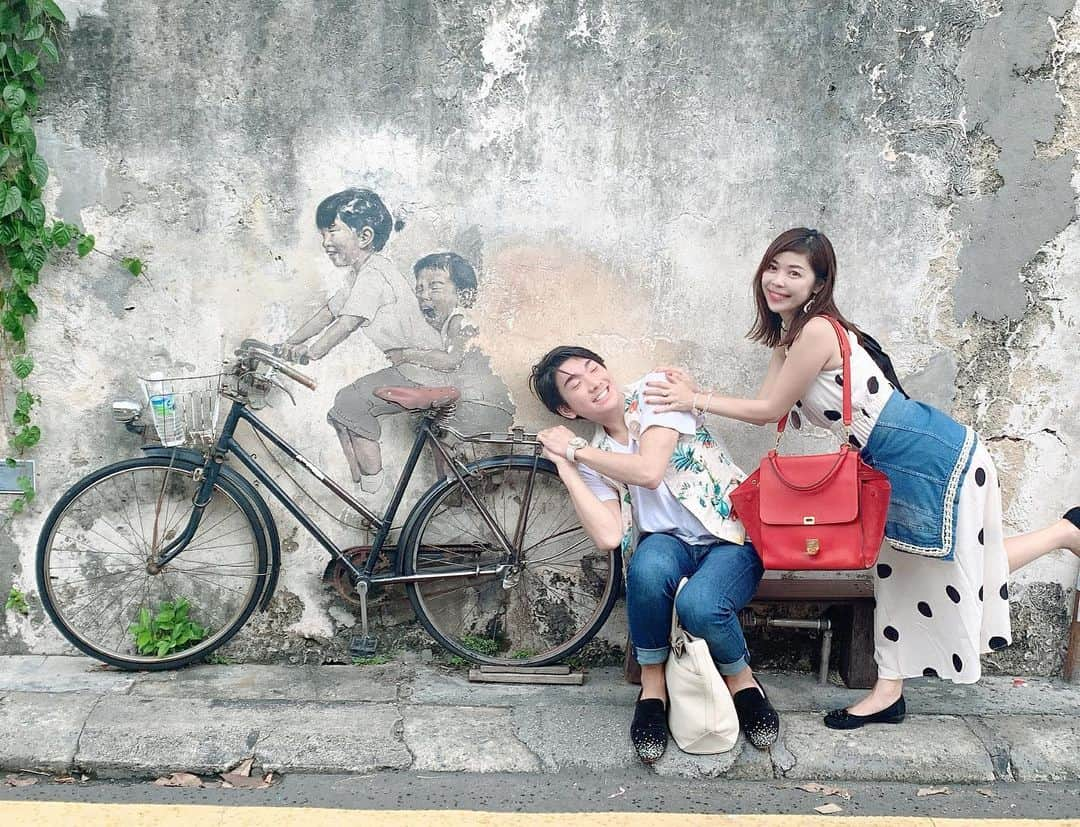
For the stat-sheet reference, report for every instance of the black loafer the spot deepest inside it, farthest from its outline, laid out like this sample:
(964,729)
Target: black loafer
(842,719)
(757,717)
(1073,515)
(649,730)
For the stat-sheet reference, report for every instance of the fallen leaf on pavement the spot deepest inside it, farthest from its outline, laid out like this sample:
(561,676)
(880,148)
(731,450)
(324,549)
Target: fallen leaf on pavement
(67,779)
(244,767)
(179,779)
(19,781)
(829,809)
(622,791)
(230,780)
(925,791)
(1019,682)
(987,793)
(821,789)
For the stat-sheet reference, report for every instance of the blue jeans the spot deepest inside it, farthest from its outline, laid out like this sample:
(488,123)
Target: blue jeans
(723,579)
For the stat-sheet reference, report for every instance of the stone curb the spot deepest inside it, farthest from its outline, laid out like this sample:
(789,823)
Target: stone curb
(357,720)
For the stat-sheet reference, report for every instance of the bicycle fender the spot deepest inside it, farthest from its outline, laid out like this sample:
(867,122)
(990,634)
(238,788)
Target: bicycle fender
(409,529)
(257,502)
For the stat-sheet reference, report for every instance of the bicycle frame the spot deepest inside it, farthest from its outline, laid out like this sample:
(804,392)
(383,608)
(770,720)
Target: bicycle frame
(226,444)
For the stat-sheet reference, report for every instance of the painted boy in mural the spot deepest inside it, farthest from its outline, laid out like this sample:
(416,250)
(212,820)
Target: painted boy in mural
(376,298)
(445,288)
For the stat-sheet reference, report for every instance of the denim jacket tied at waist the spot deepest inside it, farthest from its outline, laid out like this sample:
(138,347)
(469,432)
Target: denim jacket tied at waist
(925,455)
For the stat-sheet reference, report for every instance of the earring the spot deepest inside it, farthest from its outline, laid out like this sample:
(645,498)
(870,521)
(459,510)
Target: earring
(806,307)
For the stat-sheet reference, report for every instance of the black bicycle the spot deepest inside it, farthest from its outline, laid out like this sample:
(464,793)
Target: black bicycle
(153,563)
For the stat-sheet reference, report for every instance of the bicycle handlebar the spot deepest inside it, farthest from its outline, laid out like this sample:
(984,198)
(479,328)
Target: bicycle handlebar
(265,353)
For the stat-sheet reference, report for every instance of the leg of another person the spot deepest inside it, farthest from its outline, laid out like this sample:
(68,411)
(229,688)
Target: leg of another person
(656,568)
(710,603)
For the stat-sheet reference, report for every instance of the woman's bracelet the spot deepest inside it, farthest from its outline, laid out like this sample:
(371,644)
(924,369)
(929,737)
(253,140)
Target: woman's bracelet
(704,408)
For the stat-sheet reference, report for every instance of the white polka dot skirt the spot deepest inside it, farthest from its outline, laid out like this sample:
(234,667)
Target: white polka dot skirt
(935,617)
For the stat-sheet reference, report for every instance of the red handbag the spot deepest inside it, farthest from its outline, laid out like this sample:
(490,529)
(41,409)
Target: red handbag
(817,512)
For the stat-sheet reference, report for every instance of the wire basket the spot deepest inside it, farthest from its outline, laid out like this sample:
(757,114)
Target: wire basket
(184,409)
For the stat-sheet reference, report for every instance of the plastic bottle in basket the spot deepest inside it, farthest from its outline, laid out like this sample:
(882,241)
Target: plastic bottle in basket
(168,421)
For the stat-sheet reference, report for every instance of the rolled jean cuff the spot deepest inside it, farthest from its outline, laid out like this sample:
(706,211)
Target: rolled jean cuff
(733,668)
(651,657)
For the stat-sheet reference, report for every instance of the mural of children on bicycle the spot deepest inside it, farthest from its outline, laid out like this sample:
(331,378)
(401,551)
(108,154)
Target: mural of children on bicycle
(423,329)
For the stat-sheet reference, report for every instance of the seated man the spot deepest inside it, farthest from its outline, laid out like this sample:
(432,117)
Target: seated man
(666,476)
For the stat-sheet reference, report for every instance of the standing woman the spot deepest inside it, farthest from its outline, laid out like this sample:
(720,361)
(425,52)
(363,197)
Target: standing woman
(941,583)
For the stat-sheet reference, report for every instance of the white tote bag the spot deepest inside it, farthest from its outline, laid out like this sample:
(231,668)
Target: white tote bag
(701,714)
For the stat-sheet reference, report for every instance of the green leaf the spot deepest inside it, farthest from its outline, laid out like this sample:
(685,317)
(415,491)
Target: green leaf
(35,257)
(23,278)
(22,304)
(85,245)
(10,462)
(29,62)
(22,366)
(29,141)
(54,11)
(5,154)
(12,323)
(49,48)
(35,213)
(39,169)
(17,505)
(26,485)
(133,265)
(61,234)
(27,437)
(14,60)
(14,96)
(34,32)
(11,202)
(20,122)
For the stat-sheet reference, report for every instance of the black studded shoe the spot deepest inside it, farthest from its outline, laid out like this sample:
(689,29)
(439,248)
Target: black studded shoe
(842,719)
(649,730)
(757,717)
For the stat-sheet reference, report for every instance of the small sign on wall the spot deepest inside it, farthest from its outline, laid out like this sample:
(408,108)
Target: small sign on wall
(10,474)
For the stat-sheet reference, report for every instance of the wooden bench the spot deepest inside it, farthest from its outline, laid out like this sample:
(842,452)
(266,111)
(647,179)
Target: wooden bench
(847,622)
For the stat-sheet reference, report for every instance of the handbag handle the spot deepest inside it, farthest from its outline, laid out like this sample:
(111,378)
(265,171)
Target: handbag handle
(844,449)
(845,353)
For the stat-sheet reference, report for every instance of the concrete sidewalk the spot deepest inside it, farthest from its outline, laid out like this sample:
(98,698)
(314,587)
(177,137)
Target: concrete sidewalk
(66,713)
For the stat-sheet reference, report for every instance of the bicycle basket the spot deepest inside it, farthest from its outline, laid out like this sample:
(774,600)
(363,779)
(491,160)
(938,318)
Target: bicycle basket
(184,409)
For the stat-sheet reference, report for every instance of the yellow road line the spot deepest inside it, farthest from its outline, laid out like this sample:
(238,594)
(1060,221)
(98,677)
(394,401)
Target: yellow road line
(59,814)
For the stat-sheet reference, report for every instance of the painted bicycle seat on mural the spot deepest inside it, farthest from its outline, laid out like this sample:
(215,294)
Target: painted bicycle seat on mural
(419,399)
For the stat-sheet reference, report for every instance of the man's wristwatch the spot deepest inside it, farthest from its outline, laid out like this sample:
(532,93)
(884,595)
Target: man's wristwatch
(574,445)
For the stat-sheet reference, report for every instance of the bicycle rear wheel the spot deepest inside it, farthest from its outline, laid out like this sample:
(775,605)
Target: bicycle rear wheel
(538,614)
(96,586)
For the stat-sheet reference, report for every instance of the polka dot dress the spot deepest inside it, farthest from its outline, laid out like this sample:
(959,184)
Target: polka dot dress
(933,617)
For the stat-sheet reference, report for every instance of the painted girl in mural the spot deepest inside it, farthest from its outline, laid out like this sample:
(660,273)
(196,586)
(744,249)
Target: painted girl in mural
(941,584)
(375,298)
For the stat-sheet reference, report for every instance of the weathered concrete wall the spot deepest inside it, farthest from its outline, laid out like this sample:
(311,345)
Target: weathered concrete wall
(613,170)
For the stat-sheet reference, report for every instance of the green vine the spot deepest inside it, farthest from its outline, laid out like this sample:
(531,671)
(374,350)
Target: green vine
(29,32)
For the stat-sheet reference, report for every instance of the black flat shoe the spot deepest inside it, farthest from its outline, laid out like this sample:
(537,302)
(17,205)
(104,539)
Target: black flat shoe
(759,721)
(842,719)
(1073,515)
(649,731)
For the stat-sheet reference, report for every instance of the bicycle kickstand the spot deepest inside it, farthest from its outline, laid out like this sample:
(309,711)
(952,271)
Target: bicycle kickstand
(363,645)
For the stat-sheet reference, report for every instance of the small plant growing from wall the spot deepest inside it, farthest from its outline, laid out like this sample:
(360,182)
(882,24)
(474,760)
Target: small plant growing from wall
(169,629)
(16,602)
(29,32)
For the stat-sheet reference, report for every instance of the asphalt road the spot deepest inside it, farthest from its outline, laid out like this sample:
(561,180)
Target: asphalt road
(635,791)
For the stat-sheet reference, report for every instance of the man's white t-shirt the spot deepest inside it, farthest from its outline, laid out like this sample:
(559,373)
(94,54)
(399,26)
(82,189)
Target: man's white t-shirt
(655,510)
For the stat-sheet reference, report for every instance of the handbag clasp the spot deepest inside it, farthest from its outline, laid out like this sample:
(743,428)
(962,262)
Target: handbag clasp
(808,520)
(813,546)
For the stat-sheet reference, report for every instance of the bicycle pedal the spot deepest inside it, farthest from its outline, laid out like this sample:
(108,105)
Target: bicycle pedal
(362,646)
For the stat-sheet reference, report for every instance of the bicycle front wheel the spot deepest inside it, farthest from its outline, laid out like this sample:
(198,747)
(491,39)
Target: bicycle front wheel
(96,578)
(537,612)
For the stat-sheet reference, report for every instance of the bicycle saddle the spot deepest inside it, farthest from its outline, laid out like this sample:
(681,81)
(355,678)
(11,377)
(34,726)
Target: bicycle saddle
(419,399)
